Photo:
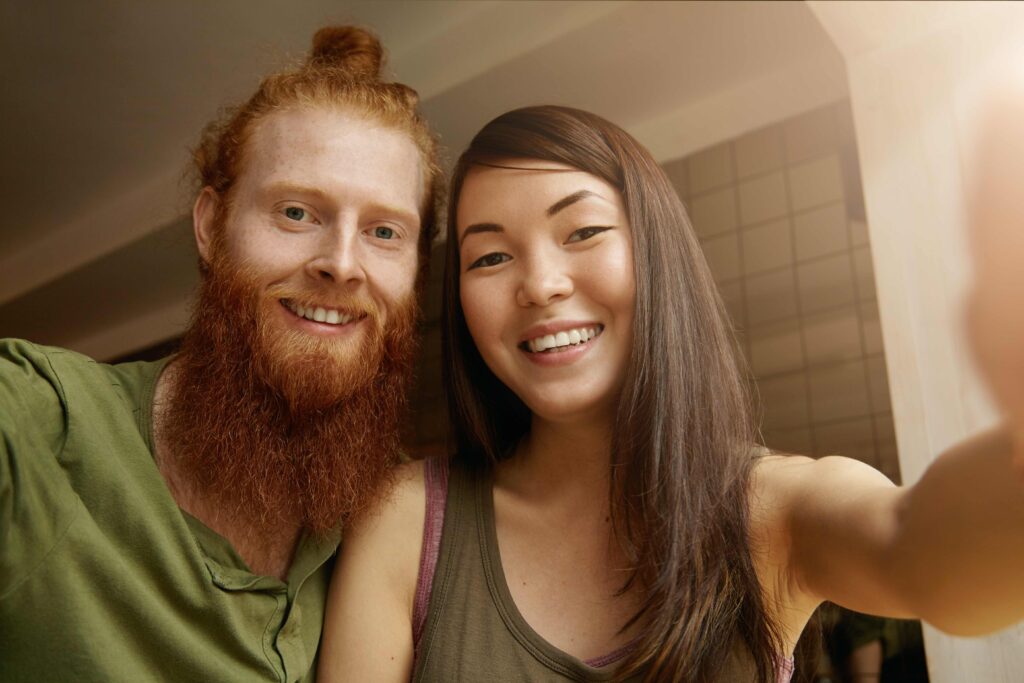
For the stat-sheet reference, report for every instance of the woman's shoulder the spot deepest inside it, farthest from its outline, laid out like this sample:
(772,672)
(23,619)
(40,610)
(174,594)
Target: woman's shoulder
(399,512)
(782,480)
(388,536)
(785,488)
(794,500)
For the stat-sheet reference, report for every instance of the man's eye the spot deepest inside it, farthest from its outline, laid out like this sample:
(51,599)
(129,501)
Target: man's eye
(385,233)
(295,213)
(489,260)
(587,232)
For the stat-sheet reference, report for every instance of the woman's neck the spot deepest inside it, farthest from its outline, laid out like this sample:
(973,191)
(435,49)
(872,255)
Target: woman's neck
(566,461)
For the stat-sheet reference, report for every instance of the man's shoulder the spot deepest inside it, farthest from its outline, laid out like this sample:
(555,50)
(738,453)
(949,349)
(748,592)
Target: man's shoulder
(63,369)
(38,358)
(29,378)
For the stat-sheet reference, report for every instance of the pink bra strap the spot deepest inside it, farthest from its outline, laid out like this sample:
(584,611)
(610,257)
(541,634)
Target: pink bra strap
(435,481)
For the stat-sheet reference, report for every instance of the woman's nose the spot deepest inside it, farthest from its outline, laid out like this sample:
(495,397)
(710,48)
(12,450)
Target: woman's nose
(545,280)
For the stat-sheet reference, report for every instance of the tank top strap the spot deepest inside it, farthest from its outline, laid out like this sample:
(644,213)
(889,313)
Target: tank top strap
(435,481)
(449,537)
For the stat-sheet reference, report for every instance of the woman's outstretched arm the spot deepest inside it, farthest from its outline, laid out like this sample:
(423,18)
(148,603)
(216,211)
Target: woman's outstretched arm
(368,626)
(949,549)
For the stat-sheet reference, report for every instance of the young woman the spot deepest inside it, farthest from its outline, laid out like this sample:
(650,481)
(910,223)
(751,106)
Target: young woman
(606,514)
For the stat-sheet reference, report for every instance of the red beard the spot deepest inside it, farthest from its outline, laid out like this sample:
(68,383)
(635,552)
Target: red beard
(276,426)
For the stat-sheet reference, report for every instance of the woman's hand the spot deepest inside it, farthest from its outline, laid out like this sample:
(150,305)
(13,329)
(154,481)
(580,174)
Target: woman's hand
(995,310)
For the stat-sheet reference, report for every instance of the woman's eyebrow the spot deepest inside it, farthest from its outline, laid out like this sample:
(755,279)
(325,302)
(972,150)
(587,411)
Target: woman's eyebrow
(478,228)
(572,199)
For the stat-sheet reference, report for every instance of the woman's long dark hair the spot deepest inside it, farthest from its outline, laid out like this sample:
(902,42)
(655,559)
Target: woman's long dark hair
(682,438)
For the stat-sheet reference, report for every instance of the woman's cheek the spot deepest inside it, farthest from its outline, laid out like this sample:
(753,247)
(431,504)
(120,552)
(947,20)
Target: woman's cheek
(479,315)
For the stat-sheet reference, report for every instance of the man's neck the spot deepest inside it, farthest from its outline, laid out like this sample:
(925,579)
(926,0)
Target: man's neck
(265,553)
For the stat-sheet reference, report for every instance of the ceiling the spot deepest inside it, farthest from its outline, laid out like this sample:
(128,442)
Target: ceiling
(104,100)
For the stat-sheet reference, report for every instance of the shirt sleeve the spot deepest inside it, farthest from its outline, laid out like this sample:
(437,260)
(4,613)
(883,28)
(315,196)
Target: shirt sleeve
(32,430)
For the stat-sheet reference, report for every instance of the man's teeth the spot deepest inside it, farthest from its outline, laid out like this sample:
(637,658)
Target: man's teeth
(562,339)
(319,313)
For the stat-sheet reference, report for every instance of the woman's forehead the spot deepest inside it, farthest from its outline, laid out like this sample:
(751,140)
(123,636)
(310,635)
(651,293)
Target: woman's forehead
(520,181)
(534,194)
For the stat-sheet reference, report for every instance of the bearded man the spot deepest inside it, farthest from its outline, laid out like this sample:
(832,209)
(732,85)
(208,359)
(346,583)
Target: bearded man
(176,520)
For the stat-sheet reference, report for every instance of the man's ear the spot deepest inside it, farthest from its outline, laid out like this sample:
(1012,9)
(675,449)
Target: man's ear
(204,217)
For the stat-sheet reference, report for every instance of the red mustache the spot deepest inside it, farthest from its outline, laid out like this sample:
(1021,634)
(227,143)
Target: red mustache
(352,305)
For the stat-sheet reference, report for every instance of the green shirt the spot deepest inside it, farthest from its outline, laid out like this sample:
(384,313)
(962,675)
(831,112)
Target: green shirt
(102,576)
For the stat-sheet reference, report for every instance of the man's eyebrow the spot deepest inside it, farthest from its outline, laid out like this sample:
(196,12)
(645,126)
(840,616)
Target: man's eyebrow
(477,228)
(293,188)
(571,199)
(286,187)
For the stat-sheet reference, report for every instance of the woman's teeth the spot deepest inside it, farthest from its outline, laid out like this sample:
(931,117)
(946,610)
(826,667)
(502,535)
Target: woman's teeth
(319,313)
(562,340)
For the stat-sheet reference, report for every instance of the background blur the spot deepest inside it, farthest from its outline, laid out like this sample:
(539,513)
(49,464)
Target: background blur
(822,150)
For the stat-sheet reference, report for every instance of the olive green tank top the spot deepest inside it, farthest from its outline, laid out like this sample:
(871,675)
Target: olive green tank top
(473,630)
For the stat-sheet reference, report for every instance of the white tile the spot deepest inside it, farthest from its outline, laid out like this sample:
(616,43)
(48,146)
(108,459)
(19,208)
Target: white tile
(435,285)
(760,152)
(878,381)
(888,453)
(429,384)
(811,134)
(885,430)
(864,271)
(832,336)
(872,327)
(889,464)
(430,343)
(762,198)
(821,231)
(678,175)
(845,131)
(851,438)
(839,391)
(775,348)
(711,168)
(817,182)
(767,246)
(858,233)
(784,400)
(723,255)
(826,283)
(794,441)
(430,421)
(732,296)
(771,296)
(713,213)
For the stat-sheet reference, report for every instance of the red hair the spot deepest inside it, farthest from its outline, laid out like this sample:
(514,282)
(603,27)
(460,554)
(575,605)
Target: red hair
(342,70)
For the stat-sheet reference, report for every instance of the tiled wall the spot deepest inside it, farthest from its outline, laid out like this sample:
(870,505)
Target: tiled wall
(779,213)
(426,434)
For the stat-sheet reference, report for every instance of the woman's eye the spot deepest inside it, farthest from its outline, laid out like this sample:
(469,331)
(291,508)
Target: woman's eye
(489,260)
(295,213)
(587,232)
(385,233)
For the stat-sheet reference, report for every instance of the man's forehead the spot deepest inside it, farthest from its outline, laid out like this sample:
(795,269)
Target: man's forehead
(323,144)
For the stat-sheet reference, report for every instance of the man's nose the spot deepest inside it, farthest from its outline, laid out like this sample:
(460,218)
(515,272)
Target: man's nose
(337,258)
(545,279)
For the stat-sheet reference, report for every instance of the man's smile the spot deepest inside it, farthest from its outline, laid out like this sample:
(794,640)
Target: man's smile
(322,314)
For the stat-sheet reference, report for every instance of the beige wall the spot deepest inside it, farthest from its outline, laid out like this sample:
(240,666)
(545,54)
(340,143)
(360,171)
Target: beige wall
(779,213)
(426,435)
